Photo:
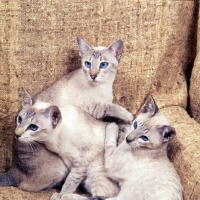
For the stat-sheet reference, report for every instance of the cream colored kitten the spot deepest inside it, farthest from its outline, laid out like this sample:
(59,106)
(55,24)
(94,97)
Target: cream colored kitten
(93,82)
(75,136)
(140,164)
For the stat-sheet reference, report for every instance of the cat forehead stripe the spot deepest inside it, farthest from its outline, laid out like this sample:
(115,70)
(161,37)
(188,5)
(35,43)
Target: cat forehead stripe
(30,113)
(96,53)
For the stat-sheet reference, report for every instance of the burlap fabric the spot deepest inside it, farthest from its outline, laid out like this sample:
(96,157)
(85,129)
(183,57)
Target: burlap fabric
(38,47)
(195,82)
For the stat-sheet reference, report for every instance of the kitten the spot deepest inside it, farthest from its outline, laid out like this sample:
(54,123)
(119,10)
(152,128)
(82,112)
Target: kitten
(140,164)
(75,136)
(91,83)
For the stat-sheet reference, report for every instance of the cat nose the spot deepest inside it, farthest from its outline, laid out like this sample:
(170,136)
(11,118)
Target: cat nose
(127,140)
(93,76)
(17,136)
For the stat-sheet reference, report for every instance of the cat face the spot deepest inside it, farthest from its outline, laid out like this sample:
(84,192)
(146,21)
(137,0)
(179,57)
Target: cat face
(35,122)
(100,63)
(150,129)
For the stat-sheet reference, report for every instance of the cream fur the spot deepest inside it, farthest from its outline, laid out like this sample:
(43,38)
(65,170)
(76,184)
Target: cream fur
(141,167)
(77,138)
(80,88)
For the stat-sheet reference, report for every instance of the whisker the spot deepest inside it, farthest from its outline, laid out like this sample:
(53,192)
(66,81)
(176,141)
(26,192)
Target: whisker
(30,144)
(37,145)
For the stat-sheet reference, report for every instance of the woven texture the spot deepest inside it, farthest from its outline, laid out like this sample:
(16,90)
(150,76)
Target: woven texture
(184,150)
(38,46)
(11,193)
(195,81)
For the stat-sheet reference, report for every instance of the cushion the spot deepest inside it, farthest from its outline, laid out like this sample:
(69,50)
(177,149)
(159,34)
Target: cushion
(195,80)
(38,46)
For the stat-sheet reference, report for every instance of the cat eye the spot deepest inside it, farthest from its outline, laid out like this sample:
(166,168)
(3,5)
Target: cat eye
(19,119)
(144,138)
(103,65)
(33,127)
(135,125)
(87,64)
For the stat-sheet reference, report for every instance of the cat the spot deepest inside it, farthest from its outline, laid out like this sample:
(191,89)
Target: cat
(75,136)
(140,164)
(92,83)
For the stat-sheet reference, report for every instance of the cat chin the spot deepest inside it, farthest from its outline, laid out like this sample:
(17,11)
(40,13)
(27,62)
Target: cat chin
(24,140)
(95,82)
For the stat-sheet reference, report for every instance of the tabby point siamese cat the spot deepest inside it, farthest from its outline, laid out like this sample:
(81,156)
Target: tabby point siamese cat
(140,164)
(76,137)
(90,84)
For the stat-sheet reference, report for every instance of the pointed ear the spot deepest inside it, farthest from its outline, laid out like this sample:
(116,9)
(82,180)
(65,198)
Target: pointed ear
(150,106)
(27,99)
(116,49)
(167,132)
(54,113)
(83,46)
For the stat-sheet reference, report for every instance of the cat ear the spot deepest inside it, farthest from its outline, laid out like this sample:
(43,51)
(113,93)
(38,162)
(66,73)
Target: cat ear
(27,99)
(54,113)
(83,46)
(167,132)
(150,106)
(116,49)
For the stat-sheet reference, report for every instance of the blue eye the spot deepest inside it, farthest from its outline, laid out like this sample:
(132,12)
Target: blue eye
(19,119)
(87,64)
(33,127)
(135,125)
(145,138)
(103,65)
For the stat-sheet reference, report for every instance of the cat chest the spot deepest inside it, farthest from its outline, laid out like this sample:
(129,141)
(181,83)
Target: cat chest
(139,170)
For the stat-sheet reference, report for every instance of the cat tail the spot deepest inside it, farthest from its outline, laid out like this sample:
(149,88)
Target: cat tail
(109,112)
(8,179)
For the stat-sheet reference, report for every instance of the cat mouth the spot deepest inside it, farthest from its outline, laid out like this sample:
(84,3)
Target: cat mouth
(94,81)
(17,136)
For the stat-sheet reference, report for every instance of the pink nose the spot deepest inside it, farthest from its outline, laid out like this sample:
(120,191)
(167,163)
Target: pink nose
(93,76)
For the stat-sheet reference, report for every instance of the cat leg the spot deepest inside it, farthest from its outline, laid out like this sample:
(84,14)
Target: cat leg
(103,110)
(75,177)
(110,141)
(110,145)
(97,182)
(73,197)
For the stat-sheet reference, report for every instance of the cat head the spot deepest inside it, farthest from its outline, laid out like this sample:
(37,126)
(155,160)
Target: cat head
(151,128)
(100,63)
(36,121)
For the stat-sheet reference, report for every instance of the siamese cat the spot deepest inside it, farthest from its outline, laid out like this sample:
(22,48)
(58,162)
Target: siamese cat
(91,83)
(76,137)
(140,164)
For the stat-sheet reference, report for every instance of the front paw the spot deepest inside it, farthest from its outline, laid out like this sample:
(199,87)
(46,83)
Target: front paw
(94,109)
(56,196)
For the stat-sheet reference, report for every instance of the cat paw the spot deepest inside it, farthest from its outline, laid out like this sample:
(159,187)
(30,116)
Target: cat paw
(127,117)
(95,110)
(56,196)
